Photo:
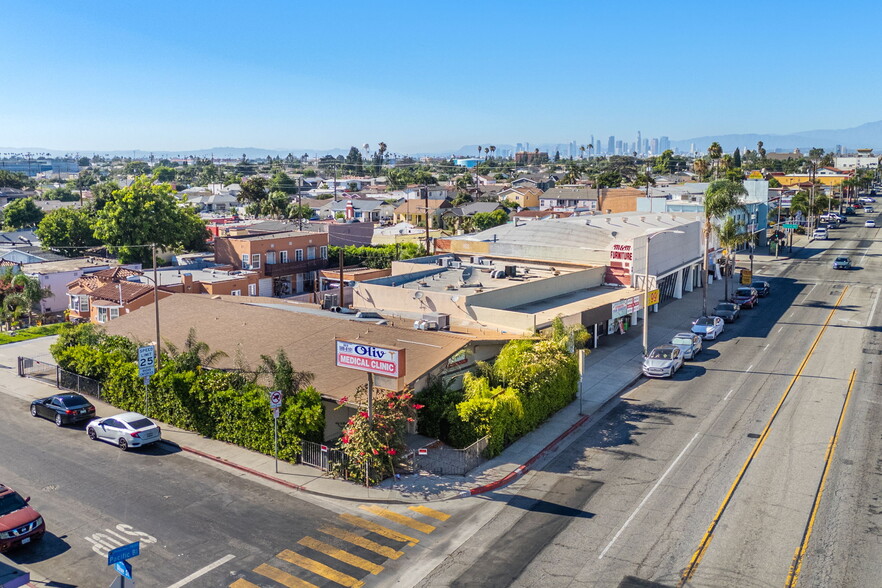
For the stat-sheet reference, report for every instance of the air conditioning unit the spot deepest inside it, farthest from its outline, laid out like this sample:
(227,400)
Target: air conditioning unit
(436,321)
(329,302)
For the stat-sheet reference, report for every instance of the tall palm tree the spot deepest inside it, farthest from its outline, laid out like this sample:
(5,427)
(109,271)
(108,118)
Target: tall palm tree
(492,151)
(195,353)
(581,152)
(590,148)
(700,167)
(486,151)
(479,151)
(732,236)
(715,152)
(282,374)
(720,199)
(382,149)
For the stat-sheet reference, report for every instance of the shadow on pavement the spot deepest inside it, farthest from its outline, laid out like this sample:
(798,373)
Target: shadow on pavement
(47,548)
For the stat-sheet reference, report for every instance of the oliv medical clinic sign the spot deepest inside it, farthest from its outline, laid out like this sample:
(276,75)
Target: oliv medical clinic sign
(383,361)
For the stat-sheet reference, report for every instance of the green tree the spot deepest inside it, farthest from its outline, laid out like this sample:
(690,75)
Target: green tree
(195,354)
(282,182)
(485,220)
(254,190)
(163,174)
(20,295)
(721,198)
(715,152)
(736,157)
(83,162)
(21,213)
(144,214)
(10,179)
(354,163)
(608,179)
(102,194)
(67,231)
(63,194)
(732,236)
(136,168)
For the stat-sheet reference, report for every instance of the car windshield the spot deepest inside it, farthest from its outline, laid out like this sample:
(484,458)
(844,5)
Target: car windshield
(11,503)
(758,285)
(660,354)
(725,307)
(70,401)
(140,424)
(841,259)
(743,292)
(682,341)
(704,321)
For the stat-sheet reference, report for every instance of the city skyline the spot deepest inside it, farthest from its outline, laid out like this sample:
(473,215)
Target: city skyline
(174,77)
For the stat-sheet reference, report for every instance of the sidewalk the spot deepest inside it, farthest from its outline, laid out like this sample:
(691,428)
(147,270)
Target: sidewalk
(609,370)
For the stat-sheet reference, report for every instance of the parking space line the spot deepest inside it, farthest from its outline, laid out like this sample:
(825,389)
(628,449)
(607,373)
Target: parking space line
(344,556)
(282,577)
(378,529)
(203,571)
(362,542)
(320,569)
(242,583)
(398,518)
(430,512)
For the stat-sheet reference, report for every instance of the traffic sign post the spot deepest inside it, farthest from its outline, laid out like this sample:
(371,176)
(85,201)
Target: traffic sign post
(146,368)
(276,405)
(117,558)
(790,226)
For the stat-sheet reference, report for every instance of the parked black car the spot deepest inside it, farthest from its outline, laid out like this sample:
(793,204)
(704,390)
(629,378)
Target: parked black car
(728,311)
(763,289)
(64,409)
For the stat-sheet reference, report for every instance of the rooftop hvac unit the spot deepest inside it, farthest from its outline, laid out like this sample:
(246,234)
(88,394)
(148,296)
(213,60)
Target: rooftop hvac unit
(478,260)
(329,301)
(435,321)
(497,274)
(511,271)
(455,264)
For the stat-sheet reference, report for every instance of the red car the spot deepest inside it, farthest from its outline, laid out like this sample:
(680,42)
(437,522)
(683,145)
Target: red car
(746,297)
(19,523)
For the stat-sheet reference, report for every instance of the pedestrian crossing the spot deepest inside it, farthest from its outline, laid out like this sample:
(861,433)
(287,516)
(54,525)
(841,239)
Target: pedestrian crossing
(340,556)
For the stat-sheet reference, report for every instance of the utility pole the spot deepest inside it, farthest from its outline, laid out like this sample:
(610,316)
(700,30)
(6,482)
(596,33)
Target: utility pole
(300,201)
(156,306)
(341,277)
(428,238)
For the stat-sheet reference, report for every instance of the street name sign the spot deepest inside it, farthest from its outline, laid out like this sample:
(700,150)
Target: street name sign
(124,569)
(790,226)
(123,553)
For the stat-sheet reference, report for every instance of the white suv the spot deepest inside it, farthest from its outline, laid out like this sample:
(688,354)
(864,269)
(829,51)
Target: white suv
(819,234)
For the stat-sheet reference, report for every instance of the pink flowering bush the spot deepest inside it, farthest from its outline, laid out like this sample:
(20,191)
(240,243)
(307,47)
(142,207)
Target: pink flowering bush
(374,449)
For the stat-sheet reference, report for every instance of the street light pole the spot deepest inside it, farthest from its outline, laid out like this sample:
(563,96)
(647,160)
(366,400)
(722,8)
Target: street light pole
(156,306)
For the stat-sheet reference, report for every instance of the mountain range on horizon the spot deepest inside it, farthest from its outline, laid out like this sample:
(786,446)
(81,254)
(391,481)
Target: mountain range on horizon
(868,135)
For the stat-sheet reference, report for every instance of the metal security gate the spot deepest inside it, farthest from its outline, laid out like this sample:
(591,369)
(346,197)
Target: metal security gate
(60,378)
(442,460)
(40,370)
(330,460)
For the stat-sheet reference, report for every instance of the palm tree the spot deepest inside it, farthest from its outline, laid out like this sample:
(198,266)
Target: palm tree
(486,151)
(720,199)
(492,151)
(382,149)
(700,167)
(590,147)
(194,355)
(759,149)
(715,151)
(582,152)
(479,151)
(732,236)
(282,374)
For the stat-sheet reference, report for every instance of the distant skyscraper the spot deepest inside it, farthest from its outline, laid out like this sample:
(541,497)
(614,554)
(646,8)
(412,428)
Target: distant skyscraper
(692,148)
(611,145)
(519,147)
(664,144)
(526,146)
(639,142)
(654,146)
(619,147)
(593,143)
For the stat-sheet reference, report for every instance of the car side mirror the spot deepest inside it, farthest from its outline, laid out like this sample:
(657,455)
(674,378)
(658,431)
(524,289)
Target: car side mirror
(27,499)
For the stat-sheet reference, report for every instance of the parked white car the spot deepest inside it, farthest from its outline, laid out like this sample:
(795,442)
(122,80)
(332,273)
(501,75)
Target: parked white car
(709,327)
(820,234)
(663,362)
(870,223)
(125,430)
(689,344)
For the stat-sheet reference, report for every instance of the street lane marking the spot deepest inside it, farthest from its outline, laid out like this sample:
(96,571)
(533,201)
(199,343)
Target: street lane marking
(398,518)
(379,529)
(750,368)
(320,569)
(203,571)
(241,583)
(873,309)
(282,577)
(810,291)
(728,395)
(708,535)
(362,542)
(646,498)
(343,556)
(780,329)
(767,346)
(796,566)
(430,512)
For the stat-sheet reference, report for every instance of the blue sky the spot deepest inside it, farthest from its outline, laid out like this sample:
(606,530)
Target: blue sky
(423,76)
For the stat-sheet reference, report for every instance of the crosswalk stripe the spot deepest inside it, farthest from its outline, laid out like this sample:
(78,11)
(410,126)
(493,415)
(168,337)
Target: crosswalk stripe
(398,518)
(378,529)
(319,568)
(343,556)
(362,542)
(242,583)
(430,512)
(282,577)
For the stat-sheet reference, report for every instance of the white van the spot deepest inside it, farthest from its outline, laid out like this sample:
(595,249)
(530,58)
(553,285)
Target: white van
(820,234)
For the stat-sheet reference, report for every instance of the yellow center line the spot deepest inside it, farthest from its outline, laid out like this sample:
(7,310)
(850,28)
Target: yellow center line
(320,569)
(708,535)
(283,578)
(378,529)
(344,556)
(362,542)
(430,512)
(398,518)
(796,566)
(241,583)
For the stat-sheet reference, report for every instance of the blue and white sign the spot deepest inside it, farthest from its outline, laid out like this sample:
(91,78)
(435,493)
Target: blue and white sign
(124,568)
(146,361)
(124,552)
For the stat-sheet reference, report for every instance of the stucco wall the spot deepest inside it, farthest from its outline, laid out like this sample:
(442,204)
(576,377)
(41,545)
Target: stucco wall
(531,291)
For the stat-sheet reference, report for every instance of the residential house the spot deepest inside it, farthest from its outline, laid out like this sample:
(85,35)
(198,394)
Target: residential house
(102,296)
(451,217)
(523,196)
(570,198)
(286,261)
(614,200)
(7,195)
(414,212)
(54,276)
(50,205)
(213,203)
(28,254)
(533,181)
(213,281)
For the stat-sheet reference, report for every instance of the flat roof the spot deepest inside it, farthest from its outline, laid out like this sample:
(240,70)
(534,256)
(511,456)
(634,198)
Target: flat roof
(172,276)
(65,265)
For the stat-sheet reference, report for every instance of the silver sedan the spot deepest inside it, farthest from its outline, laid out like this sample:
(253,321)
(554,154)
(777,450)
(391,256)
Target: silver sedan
(125,430)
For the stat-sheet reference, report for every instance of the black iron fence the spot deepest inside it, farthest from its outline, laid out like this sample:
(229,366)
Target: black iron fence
(324,457)
(60,378)
(442,460)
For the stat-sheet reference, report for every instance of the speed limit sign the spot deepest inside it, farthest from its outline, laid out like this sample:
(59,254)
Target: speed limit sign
(276,399)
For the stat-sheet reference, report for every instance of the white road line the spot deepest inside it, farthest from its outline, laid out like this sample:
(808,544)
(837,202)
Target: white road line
(873,310)
(810,291)
(767,346)
(725,398)
(780,329)
(642,502)
(750,368)
(203,571)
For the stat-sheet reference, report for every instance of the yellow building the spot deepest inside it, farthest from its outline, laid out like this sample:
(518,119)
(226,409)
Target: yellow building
(523,197)
(826,176)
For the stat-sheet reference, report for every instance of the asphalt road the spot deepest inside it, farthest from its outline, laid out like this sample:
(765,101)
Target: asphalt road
(643,486)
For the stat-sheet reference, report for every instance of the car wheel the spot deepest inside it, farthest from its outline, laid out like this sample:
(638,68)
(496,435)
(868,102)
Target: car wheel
(58,420)
(33,410)
(92,434)
(122,444)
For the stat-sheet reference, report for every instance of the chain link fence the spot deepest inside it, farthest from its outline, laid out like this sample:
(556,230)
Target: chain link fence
(60,378)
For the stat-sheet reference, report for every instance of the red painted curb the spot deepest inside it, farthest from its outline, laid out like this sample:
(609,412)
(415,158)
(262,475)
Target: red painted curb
(244,468)
(522,469)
